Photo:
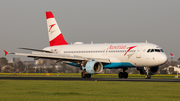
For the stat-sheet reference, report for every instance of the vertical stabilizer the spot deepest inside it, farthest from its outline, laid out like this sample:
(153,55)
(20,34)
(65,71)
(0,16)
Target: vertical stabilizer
(55,35)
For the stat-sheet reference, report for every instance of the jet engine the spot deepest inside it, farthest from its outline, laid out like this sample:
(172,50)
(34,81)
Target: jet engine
(93,67)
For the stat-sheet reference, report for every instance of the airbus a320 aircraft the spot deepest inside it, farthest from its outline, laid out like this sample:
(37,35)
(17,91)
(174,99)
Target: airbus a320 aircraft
(93,58)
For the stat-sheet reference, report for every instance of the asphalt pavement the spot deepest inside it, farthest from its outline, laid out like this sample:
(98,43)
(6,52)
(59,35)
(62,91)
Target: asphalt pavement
(88,79)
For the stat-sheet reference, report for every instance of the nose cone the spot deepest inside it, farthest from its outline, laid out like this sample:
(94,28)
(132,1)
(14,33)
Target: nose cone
(163,59)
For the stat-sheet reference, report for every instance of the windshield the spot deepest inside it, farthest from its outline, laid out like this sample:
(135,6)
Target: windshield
(154,50)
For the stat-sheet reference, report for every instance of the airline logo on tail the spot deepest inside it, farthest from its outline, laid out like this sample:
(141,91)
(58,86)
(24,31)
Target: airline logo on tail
(56,38)
(51,27)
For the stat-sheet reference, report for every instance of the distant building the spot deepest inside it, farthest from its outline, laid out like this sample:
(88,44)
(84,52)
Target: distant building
(28,62)
(14,60)
(39,61)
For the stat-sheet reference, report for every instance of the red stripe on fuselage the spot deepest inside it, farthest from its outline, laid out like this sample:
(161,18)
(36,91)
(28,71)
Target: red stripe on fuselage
(129,49)
(59,40)
(49,15)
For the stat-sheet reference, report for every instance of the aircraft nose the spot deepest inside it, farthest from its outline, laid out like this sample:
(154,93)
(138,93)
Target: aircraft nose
(163,59)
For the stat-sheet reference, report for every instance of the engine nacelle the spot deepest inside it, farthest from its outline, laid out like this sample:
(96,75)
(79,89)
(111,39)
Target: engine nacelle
(93,67)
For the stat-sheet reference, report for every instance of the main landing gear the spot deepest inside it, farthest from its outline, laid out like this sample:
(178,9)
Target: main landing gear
(123,74)
(85,75)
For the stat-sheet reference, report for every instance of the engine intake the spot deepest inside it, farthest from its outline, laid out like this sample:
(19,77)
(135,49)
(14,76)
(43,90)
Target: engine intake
(93,67)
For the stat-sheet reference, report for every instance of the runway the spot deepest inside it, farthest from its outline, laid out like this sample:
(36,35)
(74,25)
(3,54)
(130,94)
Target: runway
(88,79)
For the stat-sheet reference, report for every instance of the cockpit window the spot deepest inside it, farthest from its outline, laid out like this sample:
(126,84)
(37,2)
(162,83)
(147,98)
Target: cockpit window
(155,50)
(152,50)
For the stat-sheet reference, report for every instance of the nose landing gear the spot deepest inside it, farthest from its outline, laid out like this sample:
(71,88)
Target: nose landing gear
(148,74)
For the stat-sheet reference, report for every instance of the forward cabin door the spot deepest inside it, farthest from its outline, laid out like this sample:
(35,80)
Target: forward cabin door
(138,52)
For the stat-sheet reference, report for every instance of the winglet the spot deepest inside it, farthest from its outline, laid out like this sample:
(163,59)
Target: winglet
(172,55)
(5,52)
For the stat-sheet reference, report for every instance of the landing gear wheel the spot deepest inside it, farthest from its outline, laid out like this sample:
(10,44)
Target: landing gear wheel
(147,76)
(88,75)
(125,75)
(121,75)
(83,75)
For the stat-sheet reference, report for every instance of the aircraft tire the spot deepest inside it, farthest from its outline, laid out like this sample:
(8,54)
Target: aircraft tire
(121,75)
(147,76)
(88,75)
(125,75)
(83,75)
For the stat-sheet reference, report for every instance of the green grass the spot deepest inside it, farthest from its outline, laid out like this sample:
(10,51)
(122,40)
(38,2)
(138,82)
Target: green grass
(44,90)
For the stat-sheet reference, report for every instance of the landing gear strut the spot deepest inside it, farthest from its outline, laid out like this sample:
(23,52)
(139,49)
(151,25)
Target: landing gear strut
(123,74)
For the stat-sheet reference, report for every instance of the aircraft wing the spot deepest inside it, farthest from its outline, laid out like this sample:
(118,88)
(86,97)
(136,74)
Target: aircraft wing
(36,50)
(61,57)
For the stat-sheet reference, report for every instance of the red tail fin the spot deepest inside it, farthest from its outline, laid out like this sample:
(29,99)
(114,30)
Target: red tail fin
(55,35)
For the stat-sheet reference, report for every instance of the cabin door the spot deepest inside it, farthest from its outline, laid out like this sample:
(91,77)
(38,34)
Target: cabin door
(138,52)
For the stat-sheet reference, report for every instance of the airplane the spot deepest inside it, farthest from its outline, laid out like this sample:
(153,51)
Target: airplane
(93,58)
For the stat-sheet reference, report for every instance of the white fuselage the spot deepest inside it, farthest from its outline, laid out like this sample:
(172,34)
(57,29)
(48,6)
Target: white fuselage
(119,54)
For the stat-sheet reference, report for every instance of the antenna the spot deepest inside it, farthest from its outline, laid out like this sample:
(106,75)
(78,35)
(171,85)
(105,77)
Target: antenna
(91,42)
(146,41)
